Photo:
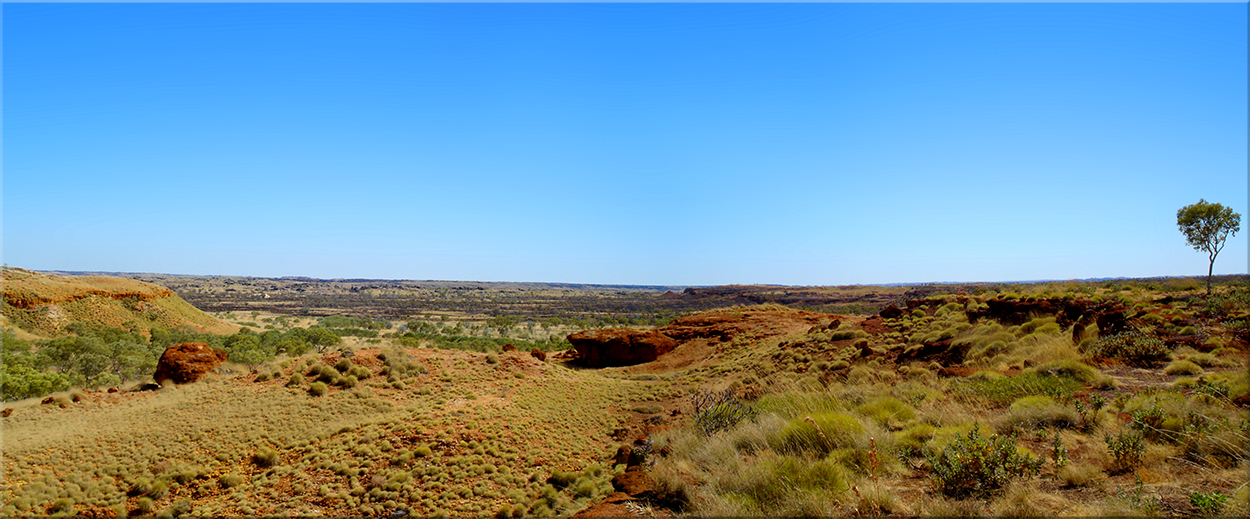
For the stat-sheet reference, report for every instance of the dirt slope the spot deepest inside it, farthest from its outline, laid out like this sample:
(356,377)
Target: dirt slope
(43,304)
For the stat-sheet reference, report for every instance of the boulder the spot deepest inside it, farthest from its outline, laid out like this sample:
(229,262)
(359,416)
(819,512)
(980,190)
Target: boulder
(539,354)
(634,482)
(620,347)
(891,312)
(187,362)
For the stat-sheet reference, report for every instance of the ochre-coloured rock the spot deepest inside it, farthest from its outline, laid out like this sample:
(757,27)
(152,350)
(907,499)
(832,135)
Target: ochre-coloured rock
(891,312)
(620,347)
(634,482)
(187,362)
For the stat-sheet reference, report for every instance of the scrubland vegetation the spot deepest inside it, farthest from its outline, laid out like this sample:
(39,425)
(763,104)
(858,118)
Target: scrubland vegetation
(1027,427)
(938,411)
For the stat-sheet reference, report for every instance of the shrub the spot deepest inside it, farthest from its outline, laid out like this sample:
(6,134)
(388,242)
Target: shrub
(820,433)
(1127,449)
(976,465)
(317,388)
(1208,503)
(1183,367)
(1133,347)
(295,380)
(491,358)
(715,411)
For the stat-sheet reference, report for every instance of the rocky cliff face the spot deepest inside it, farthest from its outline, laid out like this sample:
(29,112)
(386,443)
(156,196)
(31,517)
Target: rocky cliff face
(28,289)
(625,347)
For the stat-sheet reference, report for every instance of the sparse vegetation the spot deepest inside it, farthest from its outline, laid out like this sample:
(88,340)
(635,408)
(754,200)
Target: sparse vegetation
(800,423)
(977,465)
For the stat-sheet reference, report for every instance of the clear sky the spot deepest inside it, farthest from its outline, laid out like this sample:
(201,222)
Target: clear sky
(685,144)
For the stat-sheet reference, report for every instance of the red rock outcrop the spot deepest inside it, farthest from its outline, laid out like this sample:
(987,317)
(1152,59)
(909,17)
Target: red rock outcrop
(187,362)
(620,347)
(1110,316)
(891,312)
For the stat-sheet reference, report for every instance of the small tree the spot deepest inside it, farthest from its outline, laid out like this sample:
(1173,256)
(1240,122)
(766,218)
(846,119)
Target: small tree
(321,338)
(1206,227)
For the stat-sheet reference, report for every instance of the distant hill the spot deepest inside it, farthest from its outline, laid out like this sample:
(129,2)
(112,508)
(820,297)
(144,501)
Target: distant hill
(45,305)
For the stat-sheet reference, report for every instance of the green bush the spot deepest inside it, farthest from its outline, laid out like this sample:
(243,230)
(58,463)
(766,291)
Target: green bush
(295,380)
(1135,348)
(976,465)
(1208,503)
(1126,450)
(317,388)
(819,433)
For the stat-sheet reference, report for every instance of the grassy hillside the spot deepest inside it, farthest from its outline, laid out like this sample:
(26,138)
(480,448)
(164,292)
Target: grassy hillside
(1080,399)
(430,431)
(44,305)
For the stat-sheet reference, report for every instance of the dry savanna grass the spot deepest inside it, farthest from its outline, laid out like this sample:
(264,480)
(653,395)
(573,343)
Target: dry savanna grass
(865,416)
(463,437)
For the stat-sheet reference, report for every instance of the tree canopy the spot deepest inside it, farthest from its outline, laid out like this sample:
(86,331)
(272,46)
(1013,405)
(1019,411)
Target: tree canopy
(1206,227)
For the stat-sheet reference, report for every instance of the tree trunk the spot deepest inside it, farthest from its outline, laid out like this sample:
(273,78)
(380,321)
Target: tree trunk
(1210,267)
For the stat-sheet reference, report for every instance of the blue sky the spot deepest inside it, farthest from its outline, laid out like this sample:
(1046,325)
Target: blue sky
(806,144)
